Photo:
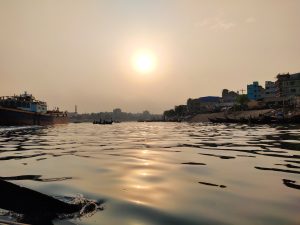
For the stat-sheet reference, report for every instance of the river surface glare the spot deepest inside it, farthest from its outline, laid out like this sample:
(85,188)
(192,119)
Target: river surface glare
(162,173)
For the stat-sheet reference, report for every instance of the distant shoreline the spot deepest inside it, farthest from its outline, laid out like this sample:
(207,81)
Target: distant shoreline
(236,115)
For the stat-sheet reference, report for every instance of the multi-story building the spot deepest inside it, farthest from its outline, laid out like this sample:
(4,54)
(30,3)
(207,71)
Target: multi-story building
(270,89)
(229,96)
(288,85)
(203,104)
(255,91)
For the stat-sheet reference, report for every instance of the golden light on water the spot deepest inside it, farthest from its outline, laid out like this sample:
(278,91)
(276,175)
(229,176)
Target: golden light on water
(144,62)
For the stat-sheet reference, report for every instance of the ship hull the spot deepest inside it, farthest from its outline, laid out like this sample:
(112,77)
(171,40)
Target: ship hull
(16,117)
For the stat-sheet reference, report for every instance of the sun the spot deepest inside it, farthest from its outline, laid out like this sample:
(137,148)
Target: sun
(144,62)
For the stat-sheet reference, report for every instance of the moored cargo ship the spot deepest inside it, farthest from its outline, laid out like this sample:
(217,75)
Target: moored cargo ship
(24,109)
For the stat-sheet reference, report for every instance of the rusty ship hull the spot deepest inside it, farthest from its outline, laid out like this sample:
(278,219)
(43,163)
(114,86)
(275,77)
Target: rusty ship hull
(18,117)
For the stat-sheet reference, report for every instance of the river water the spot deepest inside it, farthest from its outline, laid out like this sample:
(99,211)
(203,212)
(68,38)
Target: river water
(162,173)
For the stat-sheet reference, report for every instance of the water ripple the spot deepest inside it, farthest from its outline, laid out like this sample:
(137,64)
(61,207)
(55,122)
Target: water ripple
(162,173)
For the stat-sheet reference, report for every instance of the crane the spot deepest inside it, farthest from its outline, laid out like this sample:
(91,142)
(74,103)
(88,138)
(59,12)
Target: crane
(242,90)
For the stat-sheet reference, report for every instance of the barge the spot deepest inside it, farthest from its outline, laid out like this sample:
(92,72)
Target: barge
(24,109)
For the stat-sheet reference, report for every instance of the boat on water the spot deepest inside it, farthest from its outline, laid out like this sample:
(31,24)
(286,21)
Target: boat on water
(103,122)
(24,109)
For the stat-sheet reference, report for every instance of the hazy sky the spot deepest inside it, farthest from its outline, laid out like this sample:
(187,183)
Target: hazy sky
(80,52)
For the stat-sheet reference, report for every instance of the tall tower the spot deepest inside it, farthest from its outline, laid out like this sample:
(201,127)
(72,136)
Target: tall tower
(75,109)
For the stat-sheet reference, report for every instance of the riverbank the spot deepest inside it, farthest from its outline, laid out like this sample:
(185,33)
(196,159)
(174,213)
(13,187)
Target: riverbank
(235,115)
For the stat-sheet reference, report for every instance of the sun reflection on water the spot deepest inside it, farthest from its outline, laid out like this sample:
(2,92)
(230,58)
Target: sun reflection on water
(177,178)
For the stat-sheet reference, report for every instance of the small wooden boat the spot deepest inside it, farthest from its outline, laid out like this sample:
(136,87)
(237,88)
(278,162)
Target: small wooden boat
(223,120)
(102,122)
